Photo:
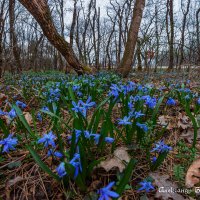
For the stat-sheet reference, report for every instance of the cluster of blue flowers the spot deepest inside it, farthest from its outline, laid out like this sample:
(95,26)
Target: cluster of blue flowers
(77,90)
(21,104)
(52,94)
(146,186)
(149,101)
(171,102)
(105,193)
(136,100)
(82,107)
(161,147)
(8,143)
(90,135)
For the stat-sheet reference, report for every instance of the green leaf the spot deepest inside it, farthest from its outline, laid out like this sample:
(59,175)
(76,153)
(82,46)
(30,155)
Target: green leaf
(159,161)
(4,128)
(41,164)
(127,175)
(156,110)
(24,122)
(71,93)
(92,165)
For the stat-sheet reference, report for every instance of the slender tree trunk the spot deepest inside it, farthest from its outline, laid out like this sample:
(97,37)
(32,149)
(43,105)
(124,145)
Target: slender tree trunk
(73,25)
(183,34)
(198,34)
(127,60)
(171,43)
(157,38)
(139,67)
(13,38)
(40,11)
(2,23)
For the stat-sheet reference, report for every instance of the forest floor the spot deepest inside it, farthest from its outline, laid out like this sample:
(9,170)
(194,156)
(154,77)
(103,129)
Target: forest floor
(141,133)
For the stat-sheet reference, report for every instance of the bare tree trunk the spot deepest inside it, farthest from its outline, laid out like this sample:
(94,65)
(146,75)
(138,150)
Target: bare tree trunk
(73,24)
(139,66)
(2,23)
(198,34)
(183,34)
(127,60)
(157,38)
(13,38)
(40,11)
(171,42)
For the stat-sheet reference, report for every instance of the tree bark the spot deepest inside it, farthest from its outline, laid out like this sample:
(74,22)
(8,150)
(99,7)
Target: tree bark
(139,66)
(127,60)
(40,11)
(171,42)
(13,37)
(73,23)
(183,34)
(2,23)
(198,34)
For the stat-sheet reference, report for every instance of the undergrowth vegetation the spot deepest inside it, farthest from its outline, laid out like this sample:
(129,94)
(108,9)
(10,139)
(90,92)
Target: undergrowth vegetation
(70,125)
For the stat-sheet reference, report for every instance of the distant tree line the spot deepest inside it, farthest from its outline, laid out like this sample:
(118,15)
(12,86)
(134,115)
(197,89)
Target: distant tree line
(39,35)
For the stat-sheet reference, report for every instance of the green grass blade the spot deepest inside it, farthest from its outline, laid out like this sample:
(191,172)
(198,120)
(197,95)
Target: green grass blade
(41,164)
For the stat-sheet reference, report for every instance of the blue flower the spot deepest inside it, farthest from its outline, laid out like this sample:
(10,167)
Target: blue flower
(12,114)
(149,101)
(48,139)
(52,152)
(198,101)
(161,147)
(88,104)
(138,114)
(154,159)
(39,116)
(147,186)
(80,94)
(53,95)
(83,107)
(187,97)
(130,105)
(144,127)
(87,134)
(76,87)
(109,140)
(97,137)
(77,133)
(45,108)
(78,108)
(61,170)
(2,113)
(8,143)
(114,90)
(76,163)
(171,102)
(105,192)
(21,104)
(124,121)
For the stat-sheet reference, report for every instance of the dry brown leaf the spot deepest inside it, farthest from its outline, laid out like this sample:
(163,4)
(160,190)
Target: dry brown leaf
(28,117)
(189,135)
(193,174)
(14,181)
(117,160)
(162,120)
(161,181)
(183,121)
